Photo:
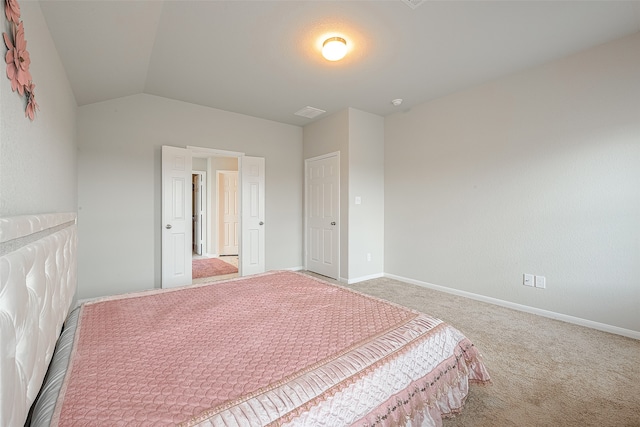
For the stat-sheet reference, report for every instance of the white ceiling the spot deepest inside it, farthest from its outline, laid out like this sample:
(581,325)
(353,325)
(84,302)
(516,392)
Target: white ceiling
(262,58)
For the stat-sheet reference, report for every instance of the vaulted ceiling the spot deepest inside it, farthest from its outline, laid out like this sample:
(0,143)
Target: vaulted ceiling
(262,58)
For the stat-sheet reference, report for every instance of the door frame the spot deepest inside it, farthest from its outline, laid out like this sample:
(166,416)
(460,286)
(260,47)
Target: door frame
(212,223)
(212,152)
(205,217)
(306,207)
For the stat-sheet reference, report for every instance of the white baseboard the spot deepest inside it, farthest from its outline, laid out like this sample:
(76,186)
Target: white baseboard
(359,279)
(525,308)
(293,268)
(363,278)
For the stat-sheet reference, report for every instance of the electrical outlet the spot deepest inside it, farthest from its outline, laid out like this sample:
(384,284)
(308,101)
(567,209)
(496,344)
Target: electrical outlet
(369,257)
(541,282)
(527,280)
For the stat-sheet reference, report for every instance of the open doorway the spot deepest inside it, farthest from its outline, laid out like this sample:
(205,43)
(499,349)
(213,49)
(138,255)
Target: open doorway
(177,248)
(215,218)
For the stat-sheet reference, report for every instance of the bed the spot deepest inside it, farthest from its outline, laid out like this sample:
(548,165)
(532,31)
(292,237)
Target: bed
(280,349)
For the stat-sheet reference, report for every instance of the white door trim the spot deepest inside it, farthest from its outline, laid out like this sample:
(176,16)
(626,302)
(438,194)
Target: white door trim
(194,151)
(306,207)
(209,152)
(205,211)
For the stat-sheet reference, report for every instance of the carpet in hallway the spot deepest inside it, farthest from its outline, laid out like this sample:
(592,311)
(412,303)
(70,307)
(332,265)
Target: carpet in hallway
(209,267)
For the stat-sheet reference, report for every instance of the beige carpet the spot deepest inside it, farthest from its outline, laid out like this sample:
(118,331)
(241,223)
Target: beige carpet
(544,372)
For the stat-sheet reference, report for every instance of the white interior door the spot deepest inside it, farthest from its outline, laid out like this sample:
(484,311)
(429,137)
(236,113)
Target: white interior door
(198,215)
(176,216)
(252,248)
(322,215)
(229,215)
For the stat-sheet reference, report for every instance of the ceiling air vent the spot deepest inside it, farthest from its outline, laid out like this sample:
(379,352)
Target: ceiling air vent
(309,112)
(413,3)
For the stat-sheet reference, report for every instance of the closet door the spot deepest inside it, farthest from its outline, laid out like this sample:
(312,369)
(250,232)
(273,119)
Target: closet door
(322,182)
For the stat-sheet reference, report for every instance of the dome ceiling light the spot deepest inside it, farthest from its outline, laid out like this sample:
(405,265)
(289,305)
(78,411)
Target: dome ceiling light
(334,48)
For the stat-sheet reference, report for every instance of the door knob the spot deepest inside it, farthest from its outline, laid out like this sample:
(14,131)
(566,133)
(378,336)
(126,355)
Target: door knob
(333,223)
(261,223)
(168,226)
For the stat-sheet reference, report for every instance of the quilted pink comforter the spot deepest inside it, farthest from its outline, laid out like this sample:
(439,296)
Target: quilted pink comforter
(275,349)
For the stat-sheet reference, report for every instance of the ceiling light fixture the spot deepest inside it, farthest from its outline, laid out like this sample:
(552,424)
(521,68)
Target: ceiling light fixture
(334,48)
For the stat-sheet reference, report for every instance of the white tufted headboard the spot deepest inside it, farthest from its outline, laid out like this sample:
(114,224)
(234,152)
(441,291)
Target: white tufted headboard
(37,287)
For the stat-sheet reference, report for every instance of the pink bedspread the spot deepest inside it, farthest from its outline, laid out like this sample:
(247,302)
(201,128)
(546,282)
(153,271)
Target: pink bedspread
(276,348)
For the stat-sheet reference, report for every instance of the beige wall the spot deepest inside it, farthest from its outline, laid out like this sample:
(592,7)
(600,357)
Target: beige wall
(199,164)
(366,180)
(359,137)
(119,184)
(329,135)
(535,173)
(38,159)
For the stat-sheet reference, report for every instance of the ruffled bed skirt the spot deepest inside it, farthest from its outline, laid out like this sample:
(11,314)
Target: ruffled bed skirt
(440,394)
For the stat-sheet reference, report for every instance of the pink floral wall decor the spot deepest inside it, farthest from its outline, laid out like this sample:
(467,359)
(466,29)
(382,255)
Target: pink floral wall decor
(18,59)
(12,10)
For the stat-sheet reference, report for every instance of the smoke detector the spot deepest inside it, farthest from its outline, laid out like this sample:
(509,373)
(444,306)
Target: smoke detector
(396,102)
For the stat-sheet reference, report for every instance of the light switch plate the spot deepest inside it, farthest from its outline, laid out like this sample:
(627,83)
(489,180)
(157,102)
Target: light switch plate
(541,282)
